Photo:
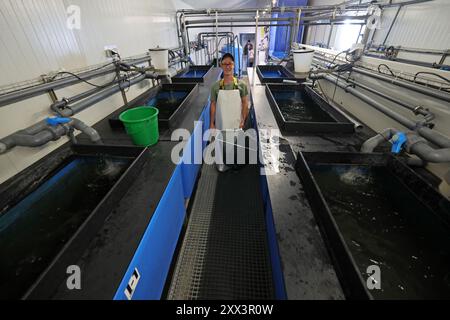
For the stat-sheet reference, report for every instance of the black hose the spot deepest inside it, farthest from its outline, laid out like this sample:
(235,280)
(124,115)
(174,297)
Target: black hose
(387,67)
(431,73)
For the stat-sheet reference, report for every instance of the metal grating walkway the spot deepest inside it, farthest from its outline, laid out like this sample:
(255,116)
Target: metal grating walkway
(225,254)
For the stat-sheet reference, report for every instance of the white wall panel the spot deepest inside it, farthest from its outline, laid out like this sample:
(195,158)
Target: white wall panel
(35,40)
(423,25)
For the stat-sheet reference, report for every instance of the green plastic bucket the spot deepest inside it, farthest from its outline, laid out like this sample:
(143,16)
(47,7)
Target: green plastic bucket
(141,124)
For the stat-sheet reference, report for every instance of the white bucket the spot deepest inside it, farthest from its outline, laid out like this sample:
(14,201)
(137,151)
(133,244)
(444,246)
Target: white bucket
(302,60)
(160,58)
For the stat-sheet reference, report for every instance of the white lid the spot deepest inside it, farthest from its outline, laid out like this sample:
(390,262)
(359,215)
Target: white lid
(157,49)
(304,50)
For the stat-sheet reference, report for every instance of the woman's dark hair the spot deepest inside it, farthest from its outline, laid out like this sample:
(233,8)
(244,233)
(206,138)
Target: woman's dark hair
(227,55)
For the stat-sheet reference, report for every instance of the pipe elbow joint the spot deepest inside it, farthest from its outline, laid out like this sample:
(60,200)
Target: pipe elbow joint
(89,131)
(151,75)
(58,105)
(413,139)
(3,148)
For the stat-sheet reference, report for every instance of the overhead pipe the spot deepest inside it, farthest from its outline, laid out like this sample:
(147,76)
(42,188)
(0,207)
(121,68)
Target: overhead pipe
(236,20)
(431,135)
(264,20)
(305,9)
(333,23)
(202,35)
(272,25)
(181,19)
(280,9)
(238,25)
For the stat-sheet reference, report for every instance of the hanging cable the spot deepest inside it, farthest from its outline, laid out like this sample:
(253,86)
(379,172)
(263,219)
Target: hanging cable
(430,73)
(387,67)
(84,80)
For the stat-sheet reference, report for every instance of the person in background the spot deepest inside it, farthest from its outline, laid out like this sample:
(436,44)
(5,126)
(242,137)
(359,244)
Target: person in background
(248,46)
(251,57)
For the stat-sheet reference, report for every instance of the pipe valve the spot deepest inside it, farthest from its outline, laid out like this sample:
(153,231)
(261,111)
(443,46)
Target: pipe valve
(57,121)
(398,141)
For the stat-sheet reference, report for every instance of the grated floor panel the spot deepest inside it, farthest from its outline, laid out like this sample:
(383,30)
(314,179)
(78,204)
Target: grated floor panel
(224,254)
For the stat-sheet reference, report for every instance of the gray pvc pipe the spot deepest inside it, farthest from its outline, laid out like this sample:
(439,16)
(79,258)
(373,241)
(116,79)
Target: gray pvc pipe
(32,140)
(427,91)
(369,145)
(429,134)
(33,91)
(235,20)
(37,127)
(42,88)
(74,109)
(401,83)
(434,136)
(89,131)
(427,153)
(47,133)
(59,105)
(415,162)
(427,114)
(415,145)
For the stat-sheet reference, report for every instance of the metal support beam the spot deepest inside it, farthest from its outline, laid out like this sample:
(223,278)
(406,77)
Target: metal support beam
(297,28)
(256,58)
(217,40)
(329,36)
(392,24)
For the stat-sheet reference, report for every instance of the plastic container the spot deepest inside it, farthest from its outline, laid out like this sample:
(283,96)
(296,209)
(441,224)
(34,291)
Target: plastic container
(160,58)
(141,124)
(302,60)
